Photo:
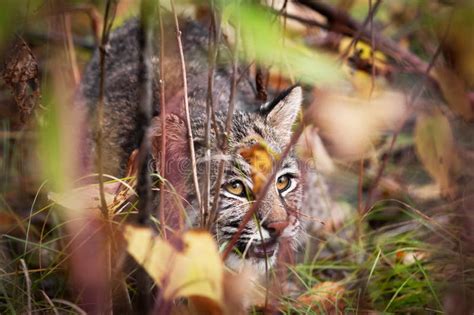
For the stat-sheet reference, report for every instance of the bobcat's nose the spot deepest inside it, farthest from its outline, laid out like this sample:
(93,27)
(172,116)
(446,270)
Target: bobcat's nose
(276,228)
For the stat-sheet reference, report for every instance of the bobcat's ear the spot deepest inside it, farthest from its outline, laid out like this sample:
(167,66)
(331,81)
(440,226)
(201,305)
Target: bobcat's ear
(282,111)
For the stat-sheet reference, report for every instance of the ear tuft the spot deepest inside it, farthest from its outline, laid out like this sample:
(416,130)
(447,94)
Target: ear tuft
(282,111)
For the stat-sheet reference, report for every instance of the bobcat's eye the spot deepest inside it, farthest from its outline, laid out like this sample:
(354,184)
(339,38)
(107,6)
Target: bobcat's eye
(283,183)
(236,187)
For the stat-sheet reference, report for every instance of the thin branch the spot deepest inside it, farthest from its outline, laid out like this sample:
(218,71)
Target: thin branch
(145,107)
(163,124)
(109,17)
(214,36)
(228,127)
(370,16)
(186,106)
(145,110)
(372,49)
(340,22)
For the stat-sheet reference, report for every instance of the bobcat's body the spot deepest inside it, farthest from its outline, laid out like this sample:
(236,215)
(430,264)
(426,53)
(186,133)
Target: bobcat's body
(257,131)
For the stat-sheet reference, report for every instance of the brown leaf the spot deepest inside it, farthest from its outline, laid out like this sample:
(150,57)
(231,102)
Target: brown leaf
(325,298)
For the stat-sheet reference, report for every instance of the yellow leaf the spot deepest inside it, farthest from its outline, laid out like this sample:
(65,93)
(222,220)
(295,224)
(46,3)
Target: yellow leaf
(436,149)
(364,51)
(191,269)
(455,92)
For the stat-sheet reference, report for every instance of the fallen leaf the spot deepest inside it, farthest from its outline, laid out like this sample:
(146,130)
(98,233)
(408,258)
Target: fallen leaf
(192,270)
(325,298)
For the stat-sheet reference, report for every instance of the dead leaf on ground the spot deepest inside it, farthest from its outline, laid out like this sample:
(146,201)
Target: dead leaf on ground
(325,298)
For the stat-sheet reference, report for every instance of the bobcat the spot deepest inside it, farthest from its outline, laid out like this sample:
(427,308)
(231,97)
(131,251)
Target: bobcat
(263,129)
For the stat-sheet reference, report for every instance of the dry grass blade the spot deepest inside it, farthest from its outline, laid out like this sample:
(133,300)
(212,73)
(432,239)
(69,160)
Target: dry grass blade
(29,308)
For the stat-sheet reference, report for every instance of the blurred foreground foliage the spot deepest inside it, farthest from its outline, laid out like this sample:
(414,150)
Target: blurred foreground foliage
(391,129)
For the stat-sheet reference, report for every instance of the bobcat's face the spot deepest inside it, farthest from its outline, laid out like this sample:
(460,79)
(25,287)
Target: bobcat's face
(277,218)
(255,144)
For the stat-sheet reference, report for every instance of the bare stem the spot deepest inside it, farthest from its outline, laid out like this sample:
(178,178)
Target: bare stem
(147,10)
(340,22)
(214,36)
(163,125)
(228,126)
(186,106)
(372,11)
(145,110)
(107,25)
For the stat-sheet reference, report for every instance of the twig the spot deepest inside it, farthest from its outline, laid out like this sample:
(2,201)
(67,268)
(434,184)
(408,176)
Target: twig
(268,184)
(372,11)
(186,106)
(145,110)
(340,22)
(214,36)
(143,122)
(228,127)
(107,25)
(372,52)
(161,82)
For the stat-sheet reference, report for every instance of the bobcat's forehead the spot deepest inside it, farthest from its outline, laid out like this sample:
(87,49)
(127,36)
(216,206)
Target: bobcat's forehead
(256,146)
